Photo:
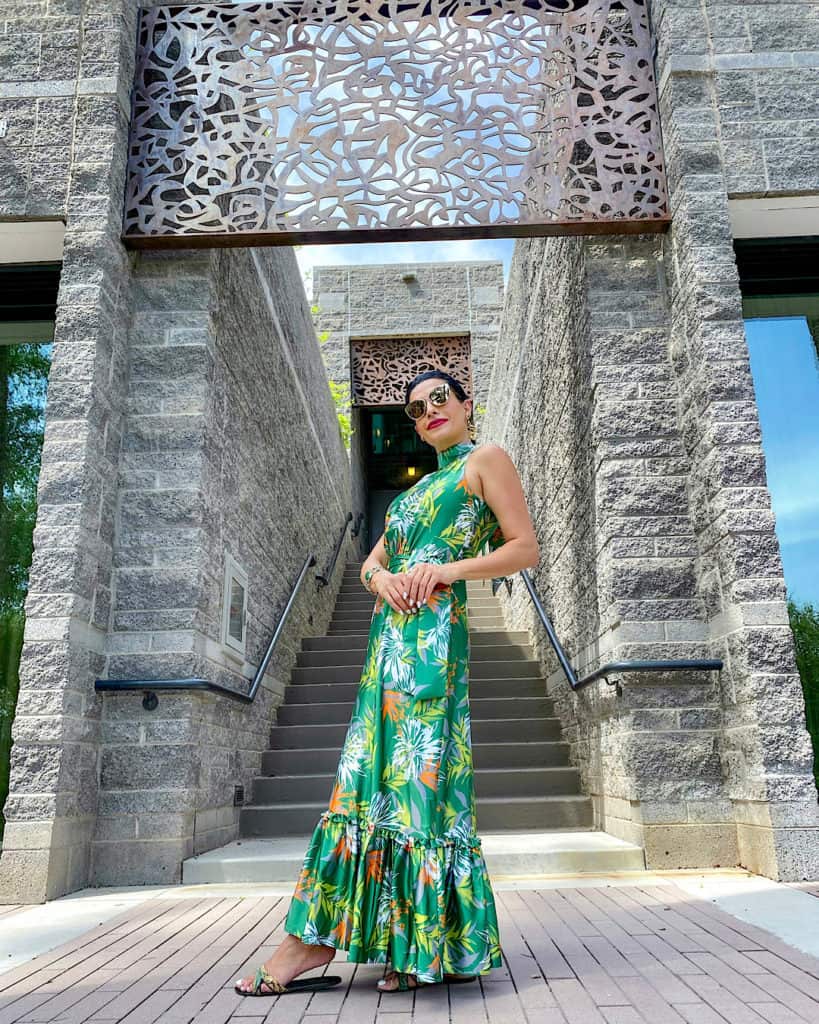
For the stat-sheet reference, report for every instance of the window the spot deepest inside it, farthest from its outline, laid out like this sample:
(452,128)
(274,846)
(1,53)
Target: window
(28,301)
(780,289)
(234,607)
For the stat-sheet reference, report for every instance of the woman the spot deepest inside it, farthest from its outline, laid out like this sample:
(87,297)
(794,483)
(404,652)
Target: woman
(394,872)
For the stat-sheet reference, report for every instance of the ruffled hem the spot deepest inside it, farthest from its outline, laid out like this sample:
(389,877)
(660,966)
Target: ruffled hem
(421,903)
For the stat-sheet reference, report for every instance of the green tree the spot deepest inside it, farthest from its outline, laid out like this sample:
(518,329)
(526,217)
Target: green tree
(23,380)
(804,620)
(340,393)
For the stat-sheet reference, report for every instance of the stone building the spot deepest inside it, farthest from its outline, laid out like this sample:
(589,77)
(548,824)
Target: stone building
(383,324)
(193,465)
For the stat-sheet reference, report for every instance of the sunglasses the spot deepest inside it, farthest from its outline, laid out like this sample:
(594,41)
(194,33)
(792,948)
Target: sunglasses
(438,396)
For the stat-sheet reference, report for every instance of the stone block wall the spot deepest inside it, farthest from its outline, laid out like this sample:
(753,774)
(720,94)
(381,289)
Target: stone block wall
(755,65)
(659,496)
(723,96)
(643,558)
(65,74)
(165,447)
(583,398)
(622,389)
(231,446)
(444,298)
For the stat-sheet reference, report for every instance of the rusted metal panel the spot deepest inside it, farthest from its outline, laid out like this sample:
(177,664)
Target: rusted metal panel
(273,123)
(381,366)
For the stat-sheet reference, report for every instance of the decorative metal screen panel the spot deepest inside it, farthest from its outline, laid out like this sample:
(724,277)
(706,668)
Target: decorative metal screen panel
(381,367)
(344,121)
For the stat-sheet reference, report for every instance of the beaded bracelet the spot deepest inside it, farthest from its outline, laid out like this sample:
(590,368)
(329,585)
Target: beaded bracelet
(368,575)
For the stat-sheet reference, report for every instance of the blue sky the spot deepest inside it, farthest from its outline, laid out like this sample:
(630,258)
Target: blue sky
(786,378)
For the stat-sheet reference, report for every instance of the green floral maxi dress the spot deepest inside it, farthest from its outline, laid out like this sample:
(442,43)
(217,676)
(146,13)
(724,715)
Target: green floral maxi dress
(394,871)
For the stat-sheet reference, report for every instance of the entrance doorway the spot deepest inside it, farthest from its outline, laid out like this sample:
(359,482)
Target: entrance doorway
(390,456)
(393,459)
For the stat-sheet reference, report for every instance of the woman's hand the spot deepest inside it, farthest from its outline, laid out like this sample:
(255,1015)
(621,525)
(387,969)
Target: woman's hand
(407,591)
(392,586)
(423,578)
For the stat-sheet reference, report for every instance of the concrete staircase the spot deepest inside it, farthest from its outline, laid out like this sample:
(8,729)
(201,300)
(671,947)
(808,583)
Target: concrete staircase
(527,792)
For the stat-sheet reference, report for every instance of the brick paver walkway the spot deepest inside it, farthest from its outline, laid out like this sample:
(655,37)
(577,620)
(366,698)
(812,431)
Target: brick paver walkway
(597,955)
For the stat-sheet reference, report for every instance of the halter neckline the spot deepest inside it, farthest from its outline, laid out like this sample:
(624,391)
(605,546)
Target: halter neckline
(455,451)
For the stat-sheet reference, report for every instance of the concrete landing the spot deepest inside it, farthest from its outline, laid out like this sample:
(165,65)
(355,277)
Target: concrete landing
(508,854)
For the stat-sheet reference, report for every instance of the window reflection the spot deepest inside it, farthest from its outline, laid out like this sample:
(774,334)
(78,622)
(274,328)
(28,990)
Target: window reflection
(28,295)
(786,378)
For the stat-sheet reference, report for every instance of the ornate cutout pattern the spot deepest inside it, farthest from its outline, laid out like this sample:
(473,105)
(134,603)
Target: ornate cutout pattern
(282,122)
(381,367)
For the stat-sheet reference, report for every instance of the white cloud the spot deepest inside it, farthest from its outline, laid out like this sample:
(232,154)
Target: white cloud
(795,496)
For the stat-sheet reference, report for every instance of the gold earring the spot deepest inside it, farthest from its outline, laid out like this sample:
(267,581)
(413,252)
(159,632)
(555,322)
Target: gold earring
(470,423)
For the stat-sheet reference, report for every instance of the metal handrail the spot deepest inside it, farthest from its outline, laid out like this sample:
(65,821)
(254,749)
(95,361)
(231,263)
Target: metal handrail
(151,686)
(323,578)
(612,667)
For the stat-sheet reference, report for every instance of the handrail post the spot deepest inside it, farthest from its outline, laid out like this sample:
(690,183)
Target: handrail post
(565,664)
(260,671)
(604,671)
(323,578)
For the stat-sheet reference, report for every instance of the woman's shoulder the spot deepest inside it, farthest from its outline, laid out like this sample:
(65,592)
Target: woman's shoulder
(484,459)
(489,455)
(489,448)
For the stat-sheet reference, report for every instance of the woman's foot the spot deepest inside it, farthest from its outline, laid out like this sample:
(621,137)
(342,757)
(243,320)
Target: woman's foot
(392,981)
(293,957)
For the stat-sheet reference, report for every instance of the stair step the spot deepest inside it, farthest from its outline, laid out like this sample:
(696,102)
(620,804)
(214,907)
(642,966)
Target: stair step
(523,778)
(490,730)
(320,693)
(483,708)
(494,782)
(542,754)
(507,855)
(494,624)
(353,575)
(358,641)
(512,813)
(358,599)
(348,600)
(365,607)
(476,624)
(479,669)
(480,651)
(491,634)
(534,812)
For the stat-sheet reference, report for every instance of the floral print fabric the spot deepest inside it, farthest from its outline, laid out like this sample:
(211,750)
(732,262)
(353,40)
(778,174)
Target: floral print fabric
(394,871)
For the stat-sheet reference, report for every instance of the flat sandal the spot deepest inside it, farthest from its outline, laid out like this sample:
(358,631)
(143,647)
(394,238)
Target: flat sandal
(405,986)
(316,983)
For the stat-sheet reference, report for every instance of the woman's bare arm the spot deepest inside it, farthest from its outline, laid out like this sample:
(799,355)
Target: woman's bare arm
(386,584)
(492,475)
(378,556)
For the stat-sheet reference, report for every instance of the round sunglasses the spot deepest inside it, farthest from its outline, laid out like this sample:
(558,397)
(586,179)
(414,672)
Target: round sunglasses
(438,396)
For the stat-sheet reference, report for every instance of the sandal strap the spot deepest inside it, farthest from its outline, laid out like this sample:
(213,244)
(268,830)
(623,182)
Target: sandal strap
(263,978)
